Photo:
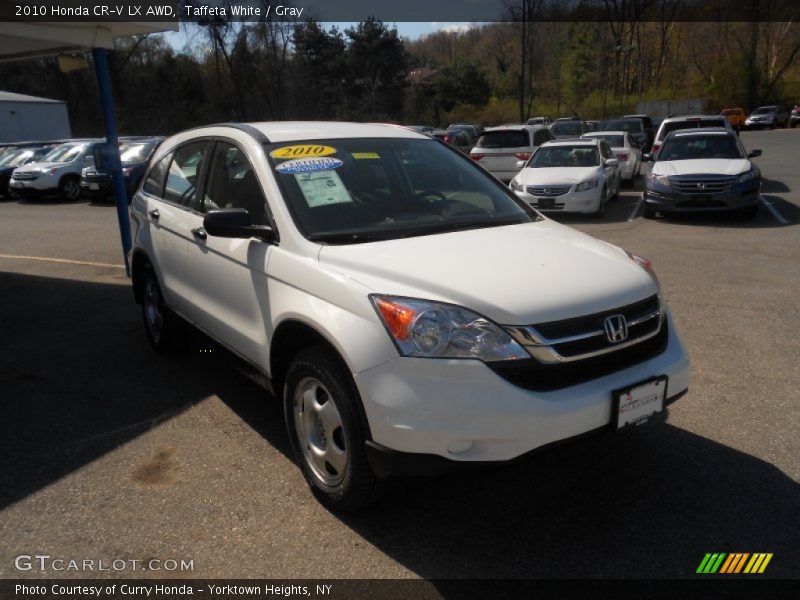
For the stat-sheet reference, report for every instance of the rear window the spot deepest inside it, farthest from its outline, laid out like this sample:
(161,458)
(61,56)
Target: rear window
(698,124)
(613,140)
(567,128)
(503,139)
(629,125)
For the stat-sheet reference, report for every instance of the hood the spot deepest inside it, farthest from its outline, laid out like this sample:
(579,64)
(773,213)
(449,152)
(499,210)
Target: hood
(703,166)
(556,175)
(39,166)
(514,275)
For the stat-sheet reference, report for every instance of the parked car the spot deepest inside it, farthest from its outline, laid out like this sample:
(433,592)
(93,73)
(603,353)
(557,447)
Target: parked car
(592,126)
(627,153)
(649,129)
(794,117)
(473,129)
(544,121)
(736,117)
(767,116)
(58,172)
(16,157)
(633,126)
(687,122)
(578,176)
(340,262)
(568,128)
(459,137)
(134,155)
(703,170)
(426,129)
(499,149)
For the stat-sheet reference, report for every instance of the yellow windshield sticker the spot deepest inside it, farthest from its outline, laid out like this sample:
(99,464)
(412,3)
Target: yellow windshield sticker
(358,155)
(302,151)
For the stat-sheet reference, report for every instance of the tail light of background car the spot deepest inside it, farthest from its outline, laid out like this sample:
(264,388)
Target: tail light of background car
(476,156)
(522,155)
(623,156)
(655,148)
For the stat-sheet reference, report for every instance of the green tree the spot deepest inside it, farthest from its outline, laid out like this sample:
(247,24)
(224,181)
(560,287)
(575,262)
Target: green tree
(464,82)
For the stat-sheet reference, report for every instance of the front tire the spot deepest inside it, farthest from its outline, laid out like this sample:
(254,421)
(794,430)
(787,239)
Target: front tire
(601,209)
(325,431)
(69,188)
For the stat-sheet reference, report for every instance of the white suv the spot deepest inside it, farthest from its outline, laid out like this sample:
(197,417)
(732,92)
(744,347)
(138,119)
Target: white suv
(58,172)
(371,276)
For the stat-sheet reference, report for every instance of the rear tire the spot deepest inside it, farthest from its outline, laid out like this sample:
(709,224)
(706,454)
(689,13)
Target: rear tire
(325,431)
(160,324)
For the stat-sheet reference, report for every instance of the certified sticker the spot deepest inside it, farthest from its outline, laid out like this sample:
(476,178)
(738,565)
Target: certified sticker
(308,165)
(302,151)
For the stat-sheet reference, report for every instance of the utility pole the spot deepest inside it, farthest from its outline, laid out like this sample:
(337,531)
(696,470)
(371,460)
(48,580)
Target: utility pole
(522,64)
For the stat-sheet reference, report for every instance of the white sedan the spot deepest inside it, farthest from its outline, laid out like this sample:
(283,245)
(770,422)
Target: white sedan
(625,151)
(578,176)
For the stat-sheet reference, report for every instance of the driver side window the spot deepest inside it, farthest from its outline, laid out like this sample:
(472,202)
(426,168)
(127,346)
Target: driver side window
(183,175)
(232,183)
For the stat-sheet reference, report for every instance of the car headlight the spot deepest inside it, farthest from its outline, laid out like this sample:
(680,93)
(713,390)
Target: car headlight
(586,185)
(748,176)
(515,186)
(429,329)
(657,179)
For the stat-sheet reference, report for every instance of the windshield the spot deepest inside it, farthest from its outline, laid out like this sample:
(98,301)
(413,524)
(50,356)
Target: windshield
(629,125)
(564,156)
(613,140)
(17,158)
(766,110)
(690,147)
(64,153)
(132,153)
(360,190)
(567,128)
(695,124)
(511,138)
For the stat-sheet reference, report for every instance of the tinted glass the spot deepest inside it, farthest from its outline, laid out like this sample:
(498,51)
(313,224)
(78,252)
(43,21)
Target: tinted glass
(511,138)
(64,153)
(564,156)
(567,128)
(232,183)
(183,174)
(613,140)
(154,184)
(368,189)
(699,124)
(133,153)
(699,146)
(765,110)
(629,125)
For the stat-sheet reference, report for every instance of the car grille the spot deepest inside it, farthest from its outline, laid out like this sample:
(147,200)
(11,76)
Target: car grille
(96,176)
(572,351)
(25,176)
(548,191)
(702,185)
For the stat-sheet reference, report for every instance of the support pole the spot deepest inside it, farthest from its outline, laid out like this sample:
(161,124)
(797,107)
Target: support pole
(120,194)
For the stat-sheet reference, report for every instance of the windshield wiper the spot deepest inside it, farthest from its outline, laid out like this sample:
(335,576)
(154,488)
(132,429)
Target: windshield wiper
(348,237)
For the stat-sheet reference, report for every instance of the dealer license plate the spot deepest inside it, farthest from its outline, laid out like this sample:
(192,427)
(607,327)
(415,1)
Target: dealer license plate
(94,186)
(634,405)
(545,203)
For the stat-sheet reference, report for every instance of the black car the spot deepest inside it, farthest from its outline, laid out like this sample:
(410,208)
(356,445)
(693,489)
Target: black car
(649,129)
(134,154)
(16,157)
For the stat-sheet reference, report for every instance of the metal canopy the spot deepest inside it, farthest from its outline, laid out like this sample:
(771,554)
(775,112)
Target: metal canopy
(29,40)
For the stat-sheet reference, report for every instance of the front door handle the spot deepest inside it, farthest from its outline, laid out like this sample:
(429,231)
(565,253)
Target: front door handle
(154,214)
(199,233)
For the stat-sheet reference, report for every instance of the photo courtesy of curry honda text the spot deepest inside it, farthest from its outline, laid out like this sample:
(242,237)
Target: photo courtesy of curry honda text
(412,313)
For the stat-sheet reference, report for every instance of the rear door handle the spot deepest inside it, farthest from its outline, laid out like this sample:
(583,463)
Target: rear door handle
(199,233)
(154,214)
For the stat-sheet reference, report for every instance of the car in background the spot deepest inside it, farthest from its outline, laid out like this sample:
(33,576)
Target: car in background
(698,170)
(57,173)
(592,126)
(687,122)
(736,117)
(459,137)
(649,129)
(134,155)
(472,129)
(568,128)
(771,116)
(425,129)
(544,121)
(500,149)
(627,153)
(633,126)
(16,157)
(576,176)
(794,117)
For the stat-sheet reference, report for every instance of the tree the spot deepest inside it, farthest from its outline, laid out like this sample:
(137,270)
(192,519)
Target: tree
(464,82)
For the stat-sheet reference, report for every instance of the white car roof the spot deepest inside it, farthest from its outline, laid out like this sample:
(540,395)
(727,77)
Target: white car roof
(287,131)
(572,142)
(516,127)
(691,118)
(599,133)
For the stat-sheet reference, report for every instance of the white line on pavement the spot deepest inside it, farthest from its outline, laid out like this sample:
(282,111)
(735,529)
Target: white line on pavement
(62,260)
(778,216)
(636,209)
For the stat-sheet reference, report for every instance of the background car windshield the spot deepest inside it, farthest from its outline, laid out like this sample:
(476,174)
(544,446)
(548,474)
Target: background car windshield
(9,158)
(503,139)
(385,188)
(567,128)
(698,124)
(629,125)
(564,156)
(696,147)
(130,153)
(64,154)
(765,110)
(613,140)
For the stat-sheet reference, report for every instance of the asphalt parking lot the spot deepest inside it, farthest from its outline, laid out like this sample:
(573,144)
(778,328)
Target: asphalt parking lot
(112,452)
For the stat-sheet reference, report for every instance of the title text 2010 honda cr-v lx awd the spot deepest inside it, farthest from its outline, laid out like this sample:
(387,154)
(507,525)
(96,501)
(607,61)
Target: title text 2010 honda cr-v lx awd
(410,311)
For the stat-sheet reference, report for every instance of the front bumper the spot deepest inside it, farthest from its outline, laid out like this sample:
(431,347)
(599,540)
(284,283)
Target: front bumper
(43,184)
(758,124)
(739,198)
(461,410)
(587,201)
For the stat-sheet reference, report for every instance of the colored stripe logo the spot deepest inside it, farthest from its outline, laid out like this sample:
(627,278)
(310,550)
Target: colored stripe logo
(734,563)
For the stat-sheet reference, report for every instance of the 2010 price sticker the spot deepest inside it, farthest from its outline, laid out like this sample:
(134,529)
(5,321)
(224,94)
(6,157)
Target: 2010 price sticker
(302,151)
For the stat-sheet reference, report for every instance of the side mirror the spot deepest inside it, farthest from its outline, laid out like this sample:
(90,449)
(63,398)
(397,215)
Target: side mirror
(754,153)
(611,162)
(520,164)
(236,223)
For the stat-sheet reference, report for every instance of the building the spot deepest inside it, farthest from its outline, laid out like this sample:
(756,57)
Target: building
(25,118)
